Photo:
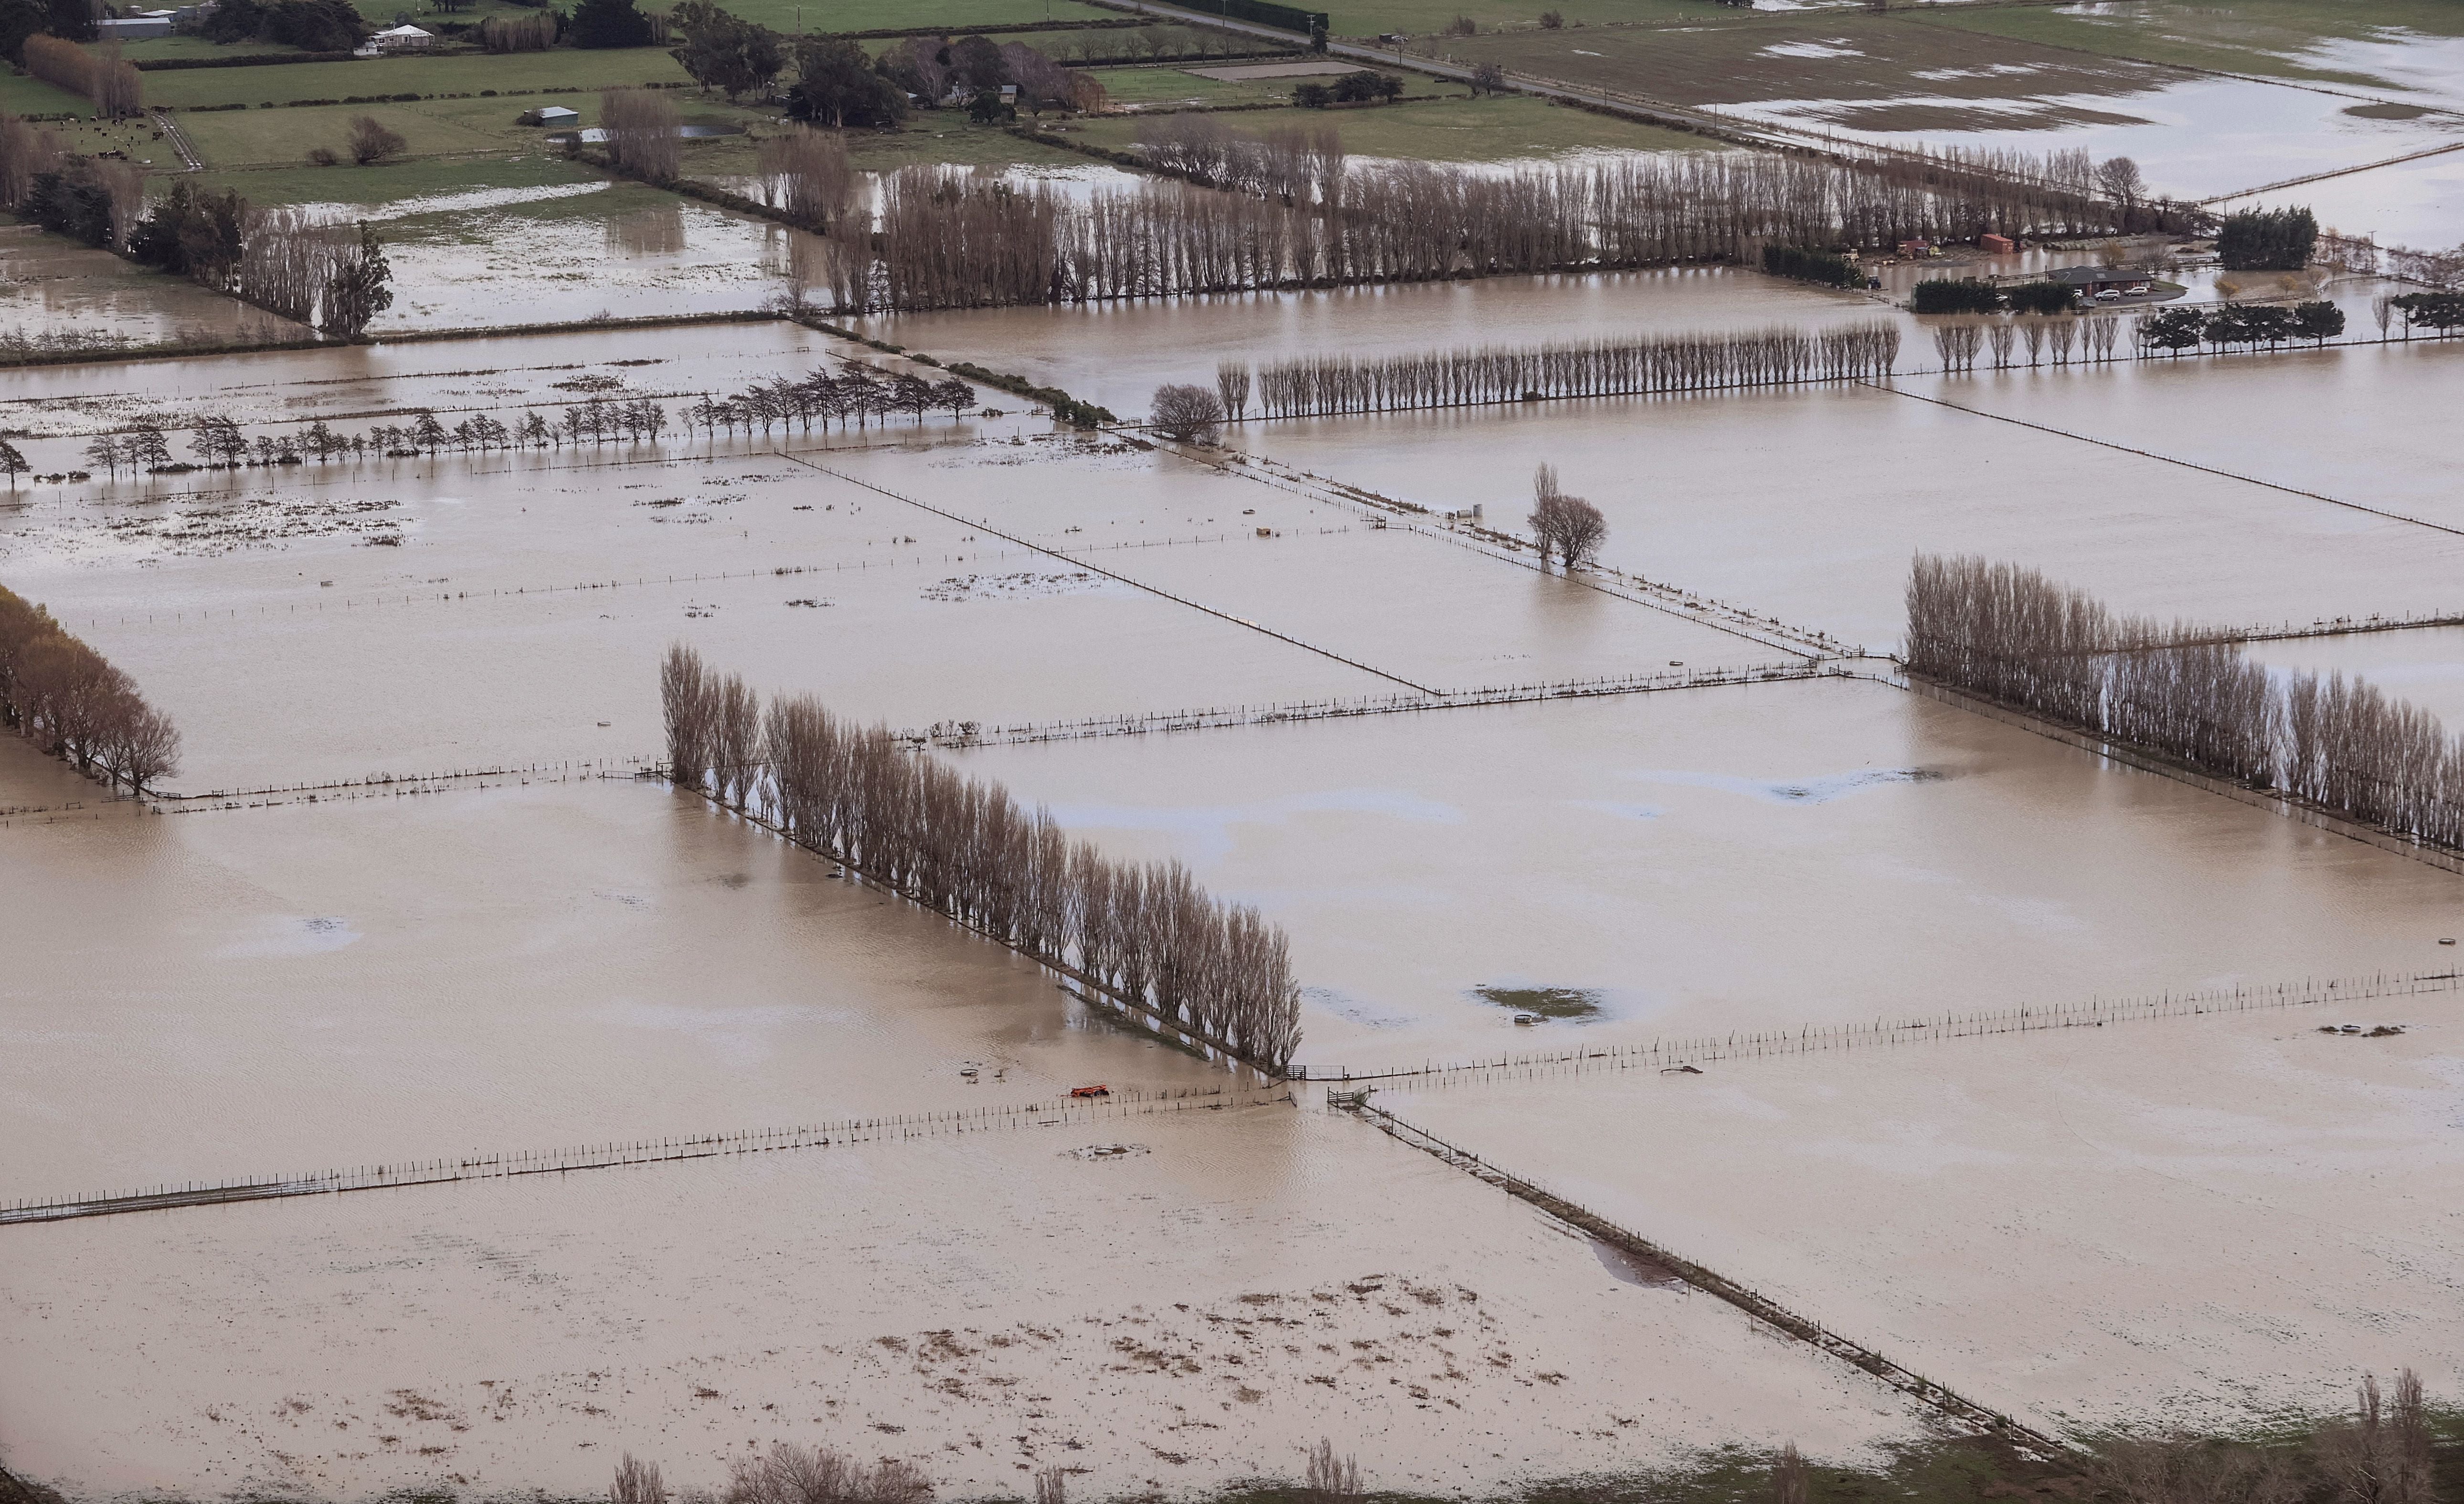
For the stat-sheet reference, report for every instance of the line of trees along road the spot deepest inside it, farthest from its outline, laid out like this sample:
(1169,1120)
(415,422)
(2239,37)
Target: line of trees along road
(962,846)
(2009,634)
(60,694)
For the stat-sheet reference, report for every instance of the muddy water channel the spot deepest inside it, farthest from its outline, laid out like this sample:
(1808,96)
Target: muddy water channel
(1723,859)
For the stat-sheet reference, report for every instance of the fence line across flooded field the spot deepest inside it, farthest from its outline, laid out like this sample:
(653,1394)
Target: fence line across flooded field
(1126,1105)
(1223,716)
(1745,1297)
(1810,1038)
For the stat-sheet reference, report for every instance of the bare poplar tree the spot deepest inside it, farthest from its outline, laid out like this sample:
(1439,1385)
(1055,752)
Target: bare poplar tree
(1188,414)
(642,128)
(1232,384)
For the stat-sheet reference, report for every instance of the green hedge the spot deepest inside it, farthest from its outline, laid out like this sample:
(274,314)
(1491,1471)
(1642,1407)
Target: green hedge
(244,60)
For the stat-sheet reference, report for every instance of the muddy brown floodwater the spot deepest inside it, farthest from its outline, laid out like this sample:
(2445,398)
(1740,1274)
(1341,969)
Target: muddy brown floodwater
(1712,860)
(1174,1300)
(2187,1218)
(53,286)
(1170,1319)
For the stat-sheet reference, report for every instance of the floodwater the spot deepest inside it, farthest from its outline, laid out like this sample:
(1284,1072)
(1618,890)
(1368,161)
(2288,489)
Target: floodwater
(1116,354)
(2193,139)
(519,963)
(354,385)
(1719,859)
(1167,1320)
(50,286)
(2419,203)
(2187,1221)
(2424,666)
(477,269)
(529,965)
(487,636)
(1722,493)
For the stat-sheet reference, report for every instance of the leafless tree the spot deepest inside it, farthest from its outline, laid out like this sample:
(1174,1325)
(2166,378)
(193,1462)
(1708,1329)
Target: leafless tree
(2190,1469)
(1188,414)
(1332,1481)
(637,1483)
(1148,935)
(2119,179)
(62,695)
(1288,212)
(371,140)
(1051,1485)
(1319,385)
(641,128)
(1232,384)
(2012,635)
(2382,1455)
(1791,1480)
(684,700)
(1569,529)
(809,171)
(792,1474)
(2000,333)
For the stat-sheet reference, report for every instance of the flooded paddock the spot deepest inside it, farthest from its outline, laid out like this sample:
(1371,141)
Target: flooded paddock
(670,256)
(2188,1222)
(513,612)
(519,963)
(52,289)
(1117,353)
(1710,860)
(1809,503)
(1171,1318)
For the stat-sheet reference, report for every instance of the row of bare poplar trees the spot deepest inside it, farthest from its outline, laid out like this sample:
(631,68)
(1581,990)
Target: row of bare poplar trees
(1958,342)
(805,173)
(1313,385)
(1287,210)
(1149,934)
(115,88)
(2012,635)
(59,693)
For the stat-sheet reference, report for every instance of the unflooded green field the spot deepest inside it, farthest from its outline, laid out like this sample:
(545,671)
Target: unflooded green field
(1445,129)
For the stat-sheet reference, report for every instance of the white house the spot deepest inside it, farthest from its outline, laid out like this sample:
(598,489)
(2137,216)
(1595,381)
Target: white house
(403,39)
(556,117)
(129,29)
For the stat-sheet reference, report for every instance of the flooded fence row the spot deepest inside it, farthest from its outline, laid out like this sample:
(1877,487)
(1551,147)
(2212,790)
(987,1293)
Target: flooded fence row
(971,734)
(1653,1255)
(2171,459)
(1812,1038)
(1387,511)
(451,1170)
(1135,584)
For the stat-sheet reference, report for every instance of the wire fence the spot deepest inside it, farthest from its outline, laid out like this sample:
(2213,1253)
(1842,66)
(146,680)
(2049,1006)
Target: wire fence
(1810,1038)
(971,734)
(1113,1108)
(1745,1297)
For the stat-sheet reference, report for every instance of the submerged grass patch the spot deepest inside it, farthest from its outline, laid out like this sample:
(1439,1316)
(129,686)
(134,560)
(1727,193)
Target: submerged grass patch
(1543,1002)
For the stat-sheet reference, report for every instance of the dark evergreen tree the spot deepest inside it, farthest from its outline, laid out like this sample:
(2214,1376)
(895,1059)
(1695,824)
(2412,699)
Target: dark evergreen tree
(608,23)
